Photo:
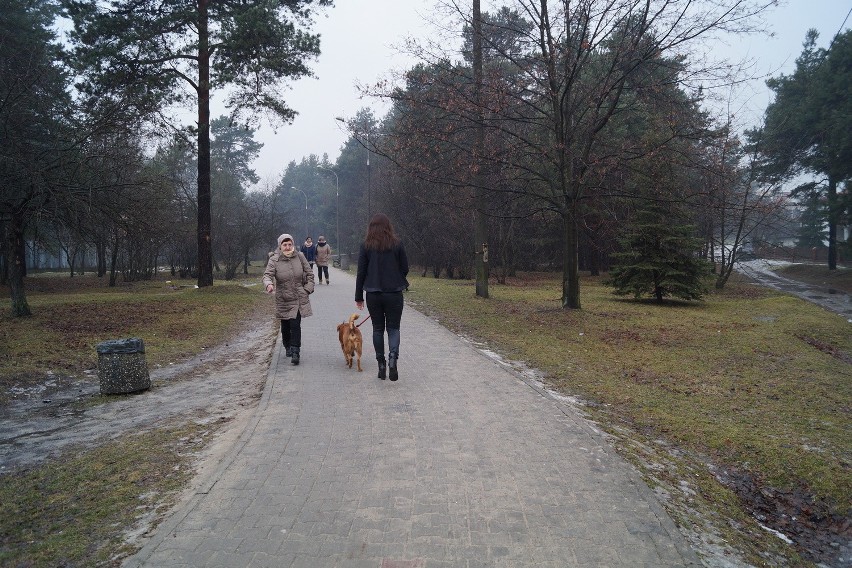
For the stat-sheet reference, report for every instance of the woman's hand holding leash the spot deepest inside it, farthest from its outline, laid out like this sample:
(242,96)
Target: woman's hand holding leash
(360,305)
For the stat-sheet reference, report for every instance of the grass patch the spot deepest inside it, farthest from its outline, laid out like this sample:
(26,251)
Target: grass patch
(74,511)
(72,315)
(756,382)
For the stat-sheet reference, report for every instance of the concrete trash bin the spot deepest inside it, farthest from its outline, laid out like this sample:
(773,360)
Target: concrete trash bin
(121,366)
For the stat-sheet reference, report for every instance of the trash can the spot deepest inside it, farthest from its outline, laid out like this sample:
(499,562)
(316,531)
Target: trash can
(121,366)
(344,262)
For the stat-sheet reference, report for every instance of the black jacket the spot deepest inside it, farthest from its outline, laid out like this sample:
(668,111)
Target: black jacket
(381,271)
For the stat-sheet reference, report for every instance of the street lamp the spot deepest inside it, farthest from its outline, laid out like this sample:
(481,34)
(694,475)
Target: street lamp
(369,188)
(337,207)
(306,209)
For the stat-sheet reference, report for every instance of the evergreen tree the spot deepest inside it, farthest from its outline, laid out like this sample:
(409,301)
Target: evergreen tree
(140,55)
(812,231)
(808,127)
(34,121)
(660,258)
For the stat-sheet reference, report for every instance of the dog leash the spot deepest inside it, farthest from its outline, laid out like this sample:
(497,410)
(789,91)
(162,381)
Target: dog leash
(363,322)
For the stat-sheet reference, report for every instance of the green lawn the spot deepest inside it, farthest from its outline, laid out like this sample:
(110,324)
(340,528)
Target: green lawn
(750,381)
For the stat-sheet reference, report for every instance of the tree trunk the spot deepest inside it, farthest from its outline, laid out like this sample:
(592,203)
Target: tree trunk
(71,257)
(113,262)
(480,232)
(100,249)
(594,253)
(570,262)
(4,264)
(16,261)
(724,274)
(832,222)
(83,252)
(20,246)
(205,246)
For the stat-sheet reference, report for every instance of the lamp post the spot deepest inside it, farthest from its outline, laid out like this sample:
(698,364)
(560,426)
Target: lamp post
(306,210)
(336,207)
(369,189)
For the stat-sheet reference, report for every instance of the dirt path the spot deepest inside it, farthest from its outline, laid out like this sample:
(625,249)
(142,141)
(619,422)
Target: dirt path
(215,386)
(762,271)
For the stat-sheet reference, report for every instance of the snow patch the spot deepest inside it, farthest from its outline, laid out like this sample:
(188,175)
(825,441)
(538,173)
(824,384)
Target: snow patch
(780,535)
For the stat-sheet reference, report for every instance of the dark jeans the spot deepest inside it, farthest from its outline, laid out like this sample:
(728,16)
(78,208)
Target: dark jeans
(385,312)
(322,270)
(291,331)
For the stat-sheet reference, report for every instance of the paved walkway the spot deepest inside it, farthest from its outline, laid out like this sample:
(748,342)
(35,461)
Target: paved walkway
(461,463)
(832,300)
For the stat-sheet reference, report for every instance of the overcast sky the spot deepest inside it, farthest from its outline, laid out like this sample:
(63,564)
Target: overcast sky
(358,39)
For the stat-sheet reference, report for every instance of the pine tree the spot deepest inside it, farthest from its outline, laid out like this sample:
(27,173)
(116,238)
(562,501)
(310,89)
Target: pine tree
(34,119)
(140,56)
(808,127)
(659,258)
(812,223)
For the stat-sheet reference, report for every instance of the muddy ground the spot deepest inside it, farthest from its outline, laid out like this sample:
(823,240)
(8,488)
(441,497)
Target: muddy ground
(217,385)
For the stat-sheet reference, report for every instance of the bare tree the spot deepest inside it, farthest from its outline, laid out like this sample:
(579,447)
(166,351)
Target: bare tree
(575,71)
(738,201)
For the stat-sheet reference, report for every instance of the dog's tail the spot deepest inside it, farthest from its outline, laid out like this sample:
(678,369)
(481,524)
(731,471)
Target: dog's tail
(352,319)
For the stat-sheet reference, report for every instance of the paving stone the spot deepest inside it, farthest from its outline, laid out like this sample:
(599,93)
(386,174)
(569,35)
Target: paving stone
(462,462)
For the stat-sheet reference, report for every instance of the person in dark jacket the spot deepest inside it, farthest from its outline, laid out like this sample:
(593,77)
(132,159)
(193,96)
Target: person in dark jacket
(382,271)
(309,249)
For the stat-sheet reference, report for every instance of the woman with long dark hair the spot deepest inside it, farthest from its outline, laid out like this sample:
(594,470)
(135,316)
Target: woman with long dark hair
(382,271)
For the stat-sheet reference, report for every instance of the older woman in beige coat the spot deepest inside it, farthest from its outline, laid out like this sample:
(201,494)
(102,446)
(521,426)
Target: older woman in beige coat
(323,255)
(290,277)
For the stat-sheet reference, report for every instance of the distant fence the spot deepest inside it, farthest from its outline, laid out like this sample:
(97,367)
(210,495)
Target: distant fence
(345,261)
(796,254)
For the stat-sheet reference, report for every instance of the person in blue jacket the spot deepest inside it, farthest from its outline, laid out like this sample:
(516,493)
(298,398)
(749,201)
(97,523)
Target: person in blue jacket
(382,272)
(309,249)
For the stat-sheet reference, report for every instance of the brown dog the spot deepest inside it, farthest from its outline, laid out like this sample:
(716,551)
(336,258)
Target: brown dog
(350,340)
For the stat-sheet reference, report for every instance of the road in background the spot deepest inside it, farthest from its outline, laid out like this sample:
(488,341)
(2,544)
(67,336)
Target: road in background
(763,272)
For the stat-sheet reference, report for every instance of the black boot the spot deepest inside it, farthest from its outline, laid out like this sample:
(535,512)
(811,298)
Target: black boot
(294,356)
(393,374)
(286,338)
(393,353)
(379,346)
